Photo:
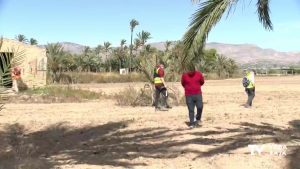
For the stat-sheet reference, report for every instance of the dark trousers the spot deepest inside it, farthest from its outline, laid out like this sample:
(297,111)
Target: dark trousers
(251,94)
(191,102)
(158,91)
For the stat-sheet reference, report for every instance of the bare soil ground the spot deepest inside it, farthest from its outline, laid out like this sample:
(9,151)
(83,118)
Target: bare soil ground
(99,134)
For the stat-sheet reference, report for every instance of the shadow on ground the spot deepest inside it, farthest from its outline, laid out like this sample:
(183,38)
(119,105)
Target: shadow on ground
(114,144)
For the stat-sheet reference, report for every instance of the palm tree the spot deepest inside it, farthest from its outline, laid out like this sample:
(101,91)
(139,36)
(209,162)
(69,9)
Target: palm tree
(221,65)
(55,53)
(122,53)
(208,15)
(167,45)
(86,51)
(33,41)
(107,48)
(21,38)
(143,36)
(98,49)
(123,42)
(137,44)
(87,58)
(133,24)
(232,67)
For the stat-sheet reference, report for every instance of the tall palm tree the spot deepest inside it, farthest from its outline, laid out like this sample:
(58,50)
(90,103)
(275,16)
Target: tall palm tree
(143,36)
(133,24)
(21,38)
(107,48)
(209,14)
(33,41)
(122,53)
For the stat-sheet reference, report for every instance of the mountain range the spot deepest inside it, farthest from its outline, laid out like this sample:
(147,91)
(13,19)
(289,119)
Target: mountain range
(243,54)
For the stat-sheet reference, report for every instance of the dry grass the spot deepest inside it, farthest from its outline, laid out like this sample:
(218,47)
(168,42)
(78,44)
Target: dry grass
(101,134)
(106,77)
(131,96)
(56,94)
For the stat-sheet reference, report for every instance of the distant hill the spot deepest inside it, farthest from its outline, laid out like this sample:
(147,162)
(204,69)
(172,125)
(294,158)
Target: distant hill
(254,55)
(244,54)
(248,54)
(73,48)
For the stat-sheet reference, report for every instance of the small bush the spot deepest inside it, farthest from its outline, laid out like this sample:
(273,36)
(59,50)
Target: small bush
(132,97)
(144,97)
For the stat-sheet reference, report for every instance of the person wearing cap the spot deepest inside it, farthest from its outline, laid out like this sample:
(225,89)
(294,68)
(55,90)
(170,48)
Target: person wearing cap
(250,87)
(160,87)
(192,80)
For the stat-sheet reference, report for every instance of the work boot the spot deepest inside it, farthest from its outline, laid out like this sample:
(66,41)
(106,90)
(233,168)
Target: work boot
(169,107)
(247,106)
(192,125)
(163,109)
(198,118)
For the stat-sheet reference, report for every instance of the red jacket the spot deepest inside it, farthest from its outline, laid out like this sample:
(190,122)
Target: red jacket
(192,82)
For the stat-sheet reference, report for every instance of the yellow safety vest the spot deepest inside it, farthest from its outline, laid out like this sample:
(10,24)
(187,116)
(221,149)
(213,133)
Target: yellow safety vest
(157,79)
(251,84)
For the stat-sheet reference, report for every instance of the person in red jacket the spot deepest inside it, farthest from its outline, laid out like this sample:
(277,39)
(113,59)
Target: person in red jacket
(192,80)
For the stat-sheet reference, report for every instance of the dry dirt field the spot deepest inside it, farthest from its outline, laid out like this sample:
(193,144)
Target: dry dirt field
(99,134)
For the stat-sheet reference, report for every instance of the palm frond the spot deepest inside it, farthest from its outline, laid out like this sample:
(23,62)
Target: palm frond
(263,11)
(1,42)
(5,70)
(203,20)
(133,24)
(33,41)
(18,56)
(195,1)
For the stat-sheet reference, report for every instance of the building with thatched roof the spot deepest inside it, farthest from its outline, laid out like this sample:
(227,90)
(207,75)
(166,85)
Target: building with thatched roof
(31,59)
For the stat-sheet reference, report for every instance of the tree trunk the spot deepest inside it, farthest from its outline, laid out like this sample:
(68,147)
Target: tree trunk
(130,55)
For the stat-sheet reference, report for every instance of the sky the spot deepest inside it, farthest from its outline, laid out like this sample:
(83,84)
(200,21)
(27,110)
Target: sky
(92,22)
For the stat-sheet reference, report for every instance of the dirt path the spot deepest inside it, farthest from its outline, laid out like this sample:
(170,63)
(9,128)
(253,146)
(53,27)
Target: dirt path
(102,135)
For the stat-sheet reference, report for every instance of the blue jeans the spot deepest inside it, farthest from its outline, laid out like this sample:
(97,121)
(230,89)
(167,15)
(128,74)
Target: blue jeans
(191,102)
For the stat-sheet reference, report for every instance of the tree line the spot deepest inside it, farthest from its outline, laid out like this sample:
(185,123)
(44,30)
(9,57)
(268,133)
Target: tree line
(138,56)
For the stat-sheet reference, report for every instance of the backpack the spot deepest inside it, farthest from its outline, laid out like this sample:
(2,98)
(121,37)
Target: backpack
(246,82)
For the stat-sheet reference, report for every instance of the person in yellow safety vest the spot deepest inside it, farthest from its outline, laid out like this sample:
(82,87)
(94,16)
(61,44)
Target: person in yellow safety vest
(15,75)
(250,88)
(160,88)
